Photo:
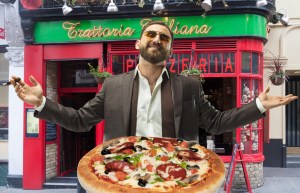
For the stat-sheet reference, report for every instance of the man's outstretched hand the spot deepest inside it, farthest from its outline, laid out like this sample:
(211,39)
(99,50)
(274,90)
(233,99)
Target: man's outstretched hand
(32,95)
(270,102)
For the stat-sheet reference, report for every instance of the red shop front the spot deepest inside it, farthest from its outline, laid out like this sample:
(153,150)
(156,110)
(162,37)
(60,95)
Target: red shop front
(232,69)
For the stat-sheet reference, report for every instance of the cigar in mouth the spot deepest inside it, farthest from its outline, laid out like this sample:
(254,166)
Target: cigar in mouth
(9,83)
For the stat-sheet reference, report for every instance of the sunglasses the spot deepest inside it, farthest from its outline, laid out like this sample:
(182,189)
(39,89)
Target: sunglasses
(163,37)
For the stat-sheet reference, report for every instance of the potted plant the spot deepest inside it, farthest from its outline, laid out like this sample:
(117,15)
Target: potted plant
(193,73)
(277,75)
(98,74)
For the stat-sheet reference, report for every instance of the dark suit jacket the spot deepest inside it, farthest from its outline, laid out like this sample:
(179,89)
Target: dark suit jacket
(113,102)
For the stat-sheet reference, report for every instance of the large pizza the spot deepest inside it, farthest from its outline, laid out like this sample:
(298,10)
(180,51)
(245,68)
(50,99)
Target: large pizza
(150,165)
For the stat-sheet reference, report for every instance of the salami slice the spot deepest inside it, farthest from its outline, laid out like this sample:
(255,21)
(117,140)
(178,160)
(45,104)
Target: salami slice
(163,142)
(188,155)
(119,166)
(120,148)
(171,171)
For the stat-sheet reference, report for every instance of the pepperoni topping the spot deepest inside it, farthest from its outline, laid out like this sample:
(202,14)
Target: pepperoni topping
(119,166)
(171,171)
(163,142)
(188,155)
(119,148)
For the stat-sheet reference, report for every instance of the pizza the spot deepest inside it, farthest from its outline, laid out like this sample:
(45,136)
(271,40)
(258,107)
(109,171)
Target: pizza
(150,165)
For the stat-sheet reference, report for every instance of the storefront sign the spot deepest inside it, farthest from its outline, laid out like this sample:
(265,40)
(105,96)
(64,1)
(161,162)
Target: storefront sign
(236,25)
(32,124)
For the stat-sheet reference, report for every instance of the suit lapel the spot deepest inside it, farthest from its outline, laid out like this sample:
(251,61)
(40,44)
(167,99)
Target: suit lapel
(177,92)
(127,94)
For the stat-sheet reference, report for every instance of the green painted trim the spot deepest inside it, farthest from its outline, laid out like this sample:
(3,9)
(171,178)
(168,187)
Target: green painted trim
(239,25)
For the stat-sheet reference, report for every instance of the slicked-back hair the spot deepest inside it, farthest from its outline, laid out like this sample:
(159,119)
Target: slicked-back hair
(157,22)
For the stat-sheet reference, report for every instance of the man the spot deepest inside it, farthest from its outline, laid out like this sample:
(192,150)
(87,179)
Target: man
(149,101)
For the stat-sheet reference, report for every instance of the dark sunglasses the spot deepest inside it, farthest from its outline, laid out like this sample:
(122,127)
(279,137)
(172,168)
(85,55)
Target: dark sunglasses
(162,36)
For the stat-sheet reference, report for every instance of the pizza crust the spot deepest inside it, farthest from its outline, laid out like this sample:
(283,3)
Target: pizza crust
(92,184)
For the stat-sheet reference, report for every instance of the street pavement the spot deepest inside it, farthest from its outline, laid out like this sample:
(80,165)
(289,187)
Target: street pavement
(276,180)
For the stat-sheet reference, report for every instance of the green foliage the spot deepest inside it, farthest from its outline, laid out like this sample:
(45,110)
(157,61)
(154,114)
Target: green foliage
(192,71)
(97,72)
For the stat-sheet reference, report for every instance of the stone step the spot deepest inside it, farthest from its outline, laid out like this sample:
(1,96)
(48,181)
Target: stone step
(293,164)
(293,157)
(61,183)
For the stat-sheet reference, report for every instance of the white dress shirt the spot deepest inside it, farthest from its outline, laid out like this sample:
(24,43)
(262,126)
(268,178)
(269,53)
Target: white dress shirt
(149,118)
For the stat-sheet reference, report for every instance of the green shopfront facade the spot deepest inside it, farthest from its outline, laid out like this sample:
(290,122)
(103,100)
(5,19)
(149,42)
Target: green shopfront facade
(226,47)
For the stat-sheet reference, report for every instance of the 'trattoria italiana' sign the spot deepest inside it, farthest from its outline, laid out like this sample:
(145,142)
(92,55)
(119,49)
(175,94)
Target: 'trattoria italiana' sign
(129,29)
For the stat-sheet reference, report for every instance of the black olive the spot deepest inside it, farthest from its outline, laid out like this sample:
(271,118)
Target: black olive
(137,148)
(145,148)
(194,149)
(134,149)
(142,182)
(106,171)
(192,167)
(179,140)
(144,138)
(126,159)
(105,152)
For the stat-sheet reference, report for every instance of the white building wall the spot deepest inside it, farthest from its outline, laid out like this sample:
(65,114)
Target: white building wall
(15,56)
(284,42)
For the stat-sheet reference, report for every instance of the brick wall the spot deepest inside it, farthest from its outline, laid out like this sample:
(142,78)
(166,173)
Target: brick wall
(51,92)
(255,173)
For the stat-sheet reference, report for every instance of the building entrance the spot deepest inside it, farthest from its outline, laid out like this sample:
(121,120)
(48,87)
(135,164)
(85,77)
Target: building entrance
(74,145)
(221,93)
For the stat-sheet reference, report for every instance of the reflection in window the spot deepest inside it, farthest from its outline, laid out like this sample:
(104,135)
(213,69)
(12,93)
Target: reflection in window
(216,62)
(255,63)
(123,63)
(246,65)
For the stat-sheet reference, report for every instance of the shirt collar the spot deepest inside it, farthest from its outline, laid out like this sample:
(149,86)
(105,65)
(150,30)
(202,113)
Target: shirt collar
(137,71)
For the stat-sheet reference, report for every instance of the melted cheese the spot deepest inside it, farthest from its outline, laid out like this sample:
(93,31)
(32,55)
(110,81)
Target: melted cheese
(131,180)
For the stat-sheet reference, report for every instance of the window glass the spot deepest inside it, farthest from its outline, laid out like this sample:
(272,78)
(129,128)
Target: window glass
(255,63)
(216,62)
(228,63)
(246,65)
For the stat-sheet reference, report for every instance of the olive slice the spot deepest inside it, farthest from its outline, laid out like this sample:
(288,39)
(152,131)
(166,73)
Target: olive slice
(105,152)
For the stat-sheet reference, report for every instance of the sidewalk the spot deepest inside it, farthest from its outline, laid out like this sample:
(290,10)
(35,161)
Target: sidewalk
(276,180)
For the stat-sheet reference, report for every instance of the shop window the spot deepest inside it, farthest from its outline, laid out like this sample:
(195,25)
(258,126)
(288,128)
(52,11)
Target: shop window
(216,62)
(250,133)
(250,62)
(76,74)
(178,62)
(123,62)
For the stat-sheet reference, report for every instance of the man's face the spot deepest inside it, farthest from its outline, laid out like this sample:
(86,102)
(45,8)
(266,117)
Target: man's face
(155,44)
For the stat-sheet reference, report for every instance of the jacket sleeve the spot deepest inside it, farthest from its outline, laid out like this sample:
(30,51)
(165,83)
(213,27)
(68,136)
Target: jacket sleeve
(216,122)
(80,120)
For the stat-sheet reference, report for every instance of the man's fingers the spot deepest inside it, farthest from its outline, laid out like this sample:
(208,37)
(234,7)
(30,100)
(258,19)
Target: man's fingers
(267,90)
(33,80)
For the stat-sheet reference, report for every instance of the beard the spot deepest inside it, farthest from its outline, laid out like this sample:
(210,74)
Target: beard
(154,56)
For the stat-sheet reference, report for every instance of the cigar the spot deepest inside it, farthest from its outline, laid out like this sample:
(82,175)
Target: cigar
(9,83)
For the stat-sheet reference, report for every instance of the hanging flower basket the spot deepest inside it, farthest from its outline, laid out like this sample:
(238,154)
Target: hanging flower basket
(277,80)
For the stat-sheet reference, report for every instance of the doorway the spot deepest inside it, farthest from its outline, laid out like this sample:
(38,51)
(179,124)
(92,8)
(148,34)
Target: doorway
(74,145)
(293,117)
(221,93)
(76,86)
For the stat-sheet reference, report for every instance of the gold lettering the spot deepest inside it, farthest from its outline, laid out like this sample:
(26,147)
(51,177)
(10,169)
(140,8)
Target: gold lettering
(96,31)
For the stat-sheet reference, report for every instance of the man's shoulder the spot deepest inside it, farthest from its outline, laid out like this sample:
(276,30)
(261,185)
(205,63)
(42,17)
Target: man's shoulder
(121,76)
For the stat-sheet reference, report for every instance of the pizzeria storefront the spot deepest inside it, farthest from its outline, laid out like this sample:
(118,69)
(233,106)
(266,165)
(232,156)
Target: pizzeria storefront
(226,48)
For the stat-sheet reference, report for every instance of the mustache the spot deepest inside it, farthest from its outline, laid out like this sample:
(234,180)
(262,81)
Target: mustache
(158,46)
